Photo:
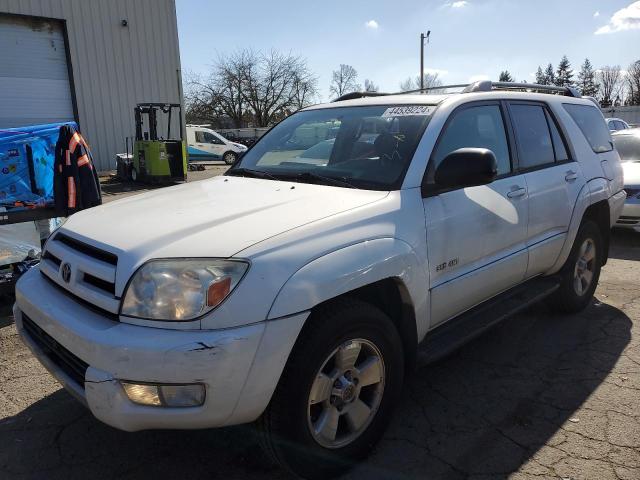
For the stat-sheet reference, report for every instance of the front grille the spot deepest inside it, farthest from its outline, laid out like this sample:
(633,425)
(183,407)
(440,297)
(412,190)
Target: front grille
(60,356)
(632,192)
(628,220)
(86,272)
(87,249)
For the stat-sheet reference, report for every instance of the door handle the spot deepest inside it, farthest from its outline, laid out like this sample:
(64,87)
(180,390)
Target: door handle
(571,176)
(517,192)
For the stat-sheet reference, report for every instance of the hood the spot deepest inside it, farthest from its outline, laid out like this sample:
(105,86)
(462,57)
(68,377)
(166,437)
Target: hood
(631,174)
(209,218)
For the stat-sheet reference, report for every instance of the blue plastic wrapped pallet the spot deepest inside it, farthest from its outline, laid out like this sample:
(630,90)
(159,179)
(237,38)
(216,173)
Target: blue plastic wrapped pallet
(26,165)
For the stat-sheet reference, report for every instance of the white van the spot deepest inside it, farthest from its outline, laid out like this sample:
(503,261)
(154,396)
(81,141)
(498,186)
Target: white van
(206,144)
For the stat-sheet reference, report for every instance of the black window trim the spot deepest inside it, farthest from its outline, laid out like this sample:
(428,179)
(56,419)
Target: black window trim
(430,189)
(563,137)
(564,105)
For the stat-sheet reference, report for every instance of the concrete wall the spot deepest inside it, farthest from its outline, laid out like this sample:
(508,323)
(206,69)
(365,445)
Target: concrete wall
(628,114)
(114,66)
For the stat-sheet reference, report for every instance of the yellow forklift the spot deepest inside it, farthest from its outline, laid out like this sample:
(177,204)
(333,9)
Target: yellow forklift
(158,159)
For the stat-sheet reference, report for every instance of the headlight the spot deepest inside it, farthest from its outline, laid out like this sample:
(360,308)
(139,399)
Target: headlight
(180,290)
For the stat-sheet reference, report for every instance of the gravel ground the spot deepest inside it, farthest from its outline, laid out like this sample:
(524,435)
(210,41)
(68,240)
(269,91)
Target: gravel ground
(539,396)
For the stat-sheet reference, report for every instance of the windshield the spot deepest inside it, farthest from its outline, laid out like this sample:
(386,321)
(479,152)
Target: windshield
(362,147)
(628,146)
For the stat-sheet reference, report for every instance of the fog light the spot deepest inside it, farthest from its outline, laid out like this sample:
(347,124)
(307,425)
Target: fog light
(165,395)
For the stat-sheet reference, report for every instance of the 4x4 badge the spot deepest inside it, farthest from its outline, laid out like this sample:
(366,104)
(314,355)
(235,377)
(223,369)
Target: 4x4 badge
(66,272)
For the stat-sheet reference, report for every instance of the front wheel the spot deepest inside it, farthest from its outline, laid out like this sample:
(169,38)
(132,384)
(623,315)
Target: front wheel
(581,272)
(134,174)
(229,158)
(336,395)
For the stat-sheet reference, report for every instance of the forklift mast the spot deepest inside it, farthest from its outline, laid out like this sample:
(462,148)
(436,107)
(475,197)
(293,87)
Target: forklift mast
(151,110)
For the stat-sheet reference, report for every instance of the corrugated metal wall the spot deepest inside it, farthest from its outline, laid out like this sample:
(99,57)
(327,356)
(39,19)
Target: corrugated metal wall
(628,114)
(114,67)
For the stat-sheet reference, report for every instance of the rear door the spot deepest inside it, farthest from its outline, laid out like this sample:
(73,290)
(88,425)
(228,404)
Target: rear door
(553,180)
(476,235)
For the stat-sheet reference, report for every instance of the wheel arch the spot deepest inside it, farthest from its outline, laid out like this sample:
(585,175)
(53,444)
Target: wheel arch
(385,272)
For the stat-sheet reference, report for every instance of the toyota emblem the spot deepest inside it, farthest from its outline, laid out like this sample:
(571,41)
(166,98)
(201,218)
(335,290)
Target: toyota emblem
(66,272)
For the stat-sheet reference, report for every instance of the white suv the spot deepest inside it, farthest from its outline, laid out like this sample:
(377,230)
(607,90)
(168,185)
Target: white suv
(298,289)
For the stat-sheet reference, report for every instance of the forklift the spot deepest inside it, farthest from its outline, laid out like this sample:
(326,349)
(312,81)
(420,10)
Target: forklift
(158,159)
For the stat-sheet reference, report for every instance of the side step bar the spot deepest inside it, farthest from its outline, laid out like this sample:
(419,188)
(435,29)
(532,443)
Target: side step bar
(444,339)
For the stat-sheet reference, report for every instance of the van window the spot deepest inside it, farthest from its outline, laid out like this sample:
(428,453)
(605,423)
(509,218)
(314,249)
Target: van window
(592,125)
(480,127)
(532,133)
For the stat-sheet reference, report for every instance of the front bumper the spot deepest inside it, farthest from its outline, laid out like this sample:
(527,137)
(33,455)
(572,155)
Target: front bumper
(630,216)
(239,367)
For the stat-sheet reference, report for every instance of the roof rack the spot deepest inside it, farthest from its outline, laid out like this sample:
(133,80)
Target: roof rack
(487,86)
(479,86)
(355,95)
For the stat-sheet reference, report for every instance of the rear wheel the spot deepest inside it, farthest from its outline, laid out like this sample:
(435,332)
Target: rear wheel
(134,174)
(336,395)
(581,272)
(229,158)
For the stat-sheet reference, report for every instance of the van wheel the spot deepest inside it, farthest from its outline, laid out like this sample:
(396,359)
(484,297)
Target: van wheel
(229,158)
(581,272)
(337,392)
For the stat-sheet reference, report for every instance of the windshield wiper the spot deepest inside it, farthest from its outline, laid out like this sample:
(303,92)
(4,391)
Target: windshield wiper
(338,182)
(248,172)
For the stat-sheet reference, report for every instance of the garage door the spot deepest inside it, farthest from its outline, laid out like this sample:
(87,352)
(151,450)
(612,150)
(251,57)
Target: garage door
(34,79)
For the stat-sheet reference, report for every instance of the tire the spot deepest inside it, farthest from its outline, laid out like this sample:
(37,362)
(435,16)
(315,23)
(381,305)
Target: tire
(229,158)
(584,263)
(346,325)
(134,174)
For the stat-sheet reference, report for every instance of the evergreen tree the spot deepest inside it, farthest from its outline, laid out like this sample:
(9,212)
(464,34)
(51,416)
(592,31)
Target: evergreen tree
(587,79)
(564,74)
(505,76)
(540,77)
(549,76)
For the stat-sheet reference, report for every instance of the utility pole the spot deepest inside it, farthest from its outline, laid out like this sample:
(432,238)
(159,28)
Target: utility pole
(422,38)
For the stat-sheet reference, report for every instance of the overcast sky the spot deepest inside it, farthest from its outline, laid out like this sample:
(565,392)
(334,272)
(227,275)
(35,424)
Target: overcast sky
(472,39)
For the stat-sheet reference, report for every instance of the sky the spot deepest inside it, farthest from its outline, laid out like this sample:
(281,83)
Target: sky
(470,39)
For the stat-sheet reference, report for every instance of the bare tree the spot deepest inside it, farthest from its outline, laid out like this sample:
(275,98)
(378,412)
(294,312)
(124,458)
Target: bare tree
(633,83)
(345,80)
(249,85)
(431,80)
(610,79)
(369,86)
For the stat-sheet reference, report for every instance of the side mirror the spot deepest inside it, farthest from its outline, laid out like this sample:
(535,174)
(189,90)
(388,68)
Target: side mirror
(467,167)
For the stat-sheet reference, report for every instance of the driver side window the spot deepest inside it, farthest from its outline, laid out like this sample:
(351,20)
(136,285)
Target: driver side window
(480,126)
(211,138)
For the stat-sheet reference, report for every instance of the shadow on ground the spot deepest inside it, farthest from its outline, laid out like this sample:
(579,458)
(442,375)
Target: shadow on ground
(485,410)
(625,245)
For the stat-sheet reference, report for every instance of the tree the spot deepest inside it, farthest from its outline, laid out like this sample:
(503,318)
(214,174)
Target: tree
(431,80)
(610,80)
(505,76)
(541,78)
(345,80)
(250,86)
(369,86)
(564,73)
(587,79)
(549,76)
(633,83)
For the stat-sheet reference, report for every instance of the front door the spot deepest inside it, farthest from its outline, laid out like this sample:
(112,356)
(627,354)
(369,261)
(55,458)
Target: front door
(476,236)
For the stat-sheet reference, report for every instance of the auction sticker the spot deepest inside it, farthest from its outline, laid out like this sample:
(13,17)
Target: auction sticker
(408,110)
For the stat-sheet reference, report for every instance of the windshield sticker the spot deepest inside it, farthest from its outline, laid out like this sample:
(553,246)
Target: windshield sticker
(409,110)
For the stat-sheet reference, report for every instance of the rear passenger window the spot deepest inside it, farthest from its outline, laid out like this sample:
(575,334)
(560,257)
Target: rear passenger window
(592,125)
(533,136)
(559,147)
(480,127)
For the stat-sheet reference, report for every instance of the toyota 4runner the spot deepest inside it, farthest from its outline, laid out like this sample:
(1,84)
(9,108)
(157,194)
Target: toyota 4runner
(296,290)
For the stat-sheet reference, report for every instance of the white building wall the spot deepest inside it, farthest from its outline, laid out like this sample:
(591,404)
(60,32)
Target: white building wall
(114,67)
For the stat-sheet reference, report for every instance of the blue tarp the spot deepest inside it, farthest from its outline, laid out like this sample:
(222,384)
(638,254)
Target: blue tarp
(24,179)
